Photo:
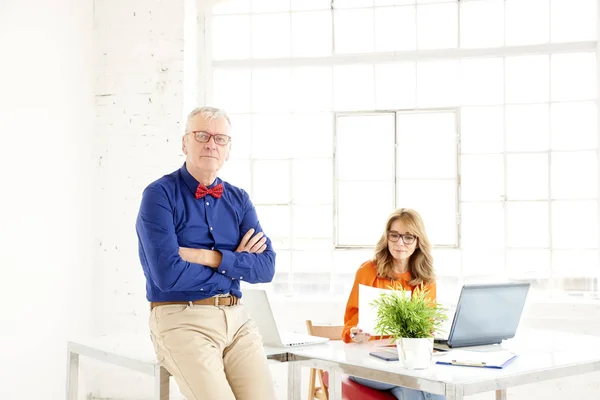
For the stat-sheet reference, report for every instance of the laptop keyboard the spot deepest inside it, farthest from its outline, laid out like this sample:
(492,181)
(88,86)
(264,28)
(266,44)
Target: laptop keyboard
(293,339)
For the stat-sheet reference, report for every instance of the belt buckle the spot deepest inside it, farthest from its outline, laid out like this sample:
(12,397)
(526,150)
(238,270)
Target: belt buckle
(223,296)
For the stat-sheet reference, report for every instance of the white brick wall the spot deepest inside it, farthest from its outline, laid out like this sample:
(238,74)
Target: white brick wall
(139,94)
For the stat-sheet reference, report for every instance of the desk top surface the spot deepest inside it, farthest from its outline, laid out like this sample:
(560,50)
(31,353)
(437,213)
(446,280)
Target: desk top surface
(541,354)
(538,352)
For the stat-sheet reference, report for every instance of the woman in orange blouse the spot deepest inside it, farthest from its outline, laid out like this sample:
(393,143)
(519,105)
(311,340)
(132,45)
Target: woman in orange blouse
(402,261)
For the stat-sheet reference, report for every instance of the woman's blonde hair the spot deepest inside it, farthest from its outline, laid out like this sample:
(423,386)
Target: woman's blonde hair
(420,263)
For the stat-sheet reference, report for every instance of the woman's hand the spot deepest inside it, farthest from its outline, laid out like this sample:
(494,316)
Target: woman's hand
(358,336)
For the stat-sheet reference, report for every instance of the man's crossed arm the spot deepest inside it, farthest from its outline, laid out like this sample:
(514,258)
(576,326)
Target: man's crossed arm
(212,258)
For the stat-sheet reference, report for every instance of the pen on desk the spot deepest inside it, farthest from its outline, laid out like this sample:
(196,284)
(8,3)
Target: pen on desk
(469,363)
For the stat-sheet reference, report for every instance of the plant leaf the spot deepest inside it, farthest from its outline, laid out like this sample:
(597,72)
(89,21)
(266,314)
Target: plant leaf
(401,316)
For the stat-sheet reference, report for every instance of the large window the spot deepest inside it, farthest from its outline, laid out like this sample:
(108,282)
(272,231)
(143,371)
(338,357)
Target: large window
(389,160)
(480,114)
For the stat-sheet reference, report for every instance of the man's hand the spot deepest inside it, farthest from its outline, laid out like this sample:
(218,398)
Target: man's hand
(190,255)
(209,258)
(252,244)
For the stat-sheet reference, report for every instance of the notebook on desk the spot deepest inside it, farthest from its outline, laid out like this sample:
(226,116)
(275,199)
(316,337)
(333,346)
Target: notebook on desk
(486,314)
(257,303)
(481,359)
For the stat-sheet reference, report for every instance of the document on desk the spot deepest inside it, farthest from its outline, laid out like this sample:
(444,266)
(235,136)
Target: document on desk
(367,313)
(483,359)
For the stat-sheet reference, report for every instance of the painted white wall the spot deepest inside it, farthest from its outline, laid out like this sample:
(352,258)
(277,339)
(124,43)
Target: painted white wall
(46,125)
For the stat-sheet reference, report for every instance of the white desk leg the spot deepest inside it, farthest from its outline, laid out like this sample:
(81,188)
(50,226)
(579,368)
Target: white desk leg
(454,392)
(501,394)
(294,381)
(72,375)
(161,383)
(335,385)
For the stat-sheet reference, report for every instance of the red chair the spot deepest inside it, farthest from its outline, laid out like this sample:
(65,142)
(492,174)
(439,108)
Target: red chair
(350,389)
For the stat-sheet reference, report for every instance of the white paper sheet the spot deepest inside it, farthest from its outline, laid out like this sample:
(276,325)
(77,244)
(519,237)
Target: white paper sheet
(367,314)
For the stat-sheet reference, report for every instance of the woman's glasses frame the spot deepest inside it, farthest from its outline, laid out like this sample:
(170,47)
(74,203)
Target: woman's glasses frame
(407,238)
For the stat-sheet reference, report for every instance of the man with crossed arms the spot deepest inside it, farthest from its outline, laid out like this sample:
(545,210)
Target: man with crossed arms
(199,237)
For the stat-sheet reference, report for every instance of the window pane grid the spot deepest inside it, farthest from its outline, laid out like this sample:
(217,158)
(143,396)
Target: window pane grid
(548,99)
(422,26)
(557,175)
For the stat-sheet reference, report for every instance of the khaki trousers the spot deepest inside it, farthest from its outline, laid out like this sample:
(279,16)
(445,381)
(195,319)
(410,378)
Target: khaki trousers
(214,353)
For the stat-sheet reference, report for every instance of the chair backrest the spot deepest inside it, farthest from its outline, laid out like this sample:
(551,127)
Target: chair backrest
(327,331)
(332,332)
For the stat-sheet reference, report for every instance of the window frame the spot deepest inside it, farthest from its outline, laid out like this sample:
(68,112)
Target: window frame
(397,112)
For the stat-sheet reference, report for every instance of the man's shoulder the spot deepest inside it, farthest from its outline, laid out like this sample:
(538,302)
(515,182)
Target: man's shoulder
(165,183)
(235,191)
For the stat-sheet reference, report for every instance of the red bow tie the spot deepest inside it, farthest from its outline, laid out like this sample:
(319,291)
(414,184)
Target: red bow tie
(215,191)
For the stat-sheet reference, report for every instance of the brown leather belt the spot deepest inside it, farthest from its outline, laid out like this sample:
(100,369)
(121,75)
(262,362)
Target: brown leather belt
(211,301)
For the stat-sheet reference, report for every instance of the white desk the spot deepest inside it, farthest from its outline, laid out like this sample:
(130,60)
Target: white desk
(137,353)
(542,356)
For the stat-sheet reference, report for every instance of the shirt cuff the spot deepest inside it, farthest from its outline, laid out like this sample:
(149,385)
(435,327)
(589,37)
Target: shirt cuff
(227,264)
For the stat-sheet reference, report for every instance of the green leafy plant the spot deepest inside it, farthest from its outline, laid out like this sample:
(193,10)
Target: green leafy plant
(401,316)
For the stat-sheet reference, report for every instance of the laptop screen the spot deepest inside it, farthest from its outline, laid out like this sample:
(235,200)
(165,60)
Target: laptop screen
(488,314)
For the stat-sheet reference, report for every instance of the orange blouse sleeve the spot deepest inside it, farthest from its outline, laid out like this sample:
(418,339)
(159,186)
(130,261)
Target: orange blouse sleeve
(365,275)
(351,315)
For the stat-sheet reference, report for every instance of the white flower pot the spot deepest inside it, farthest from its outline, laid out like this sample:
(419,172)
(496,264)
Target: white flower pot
(415,353)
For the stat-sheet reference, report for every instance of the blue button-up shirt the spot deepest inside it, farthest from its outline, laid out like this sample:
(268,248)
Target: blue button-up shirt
(170,216)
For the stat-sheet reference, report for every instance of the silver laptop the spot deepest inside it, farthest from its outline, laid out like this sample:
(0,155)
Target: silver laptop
(486,314)
(257,303)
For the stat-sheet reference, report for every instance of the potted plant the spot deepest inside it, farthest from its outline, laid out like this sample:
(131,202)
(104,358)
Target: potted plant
(411,321)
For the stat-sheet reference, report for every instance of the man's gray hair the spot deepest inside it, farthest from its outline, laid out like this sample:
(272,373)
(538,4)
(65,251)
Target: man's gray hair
(207,112)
